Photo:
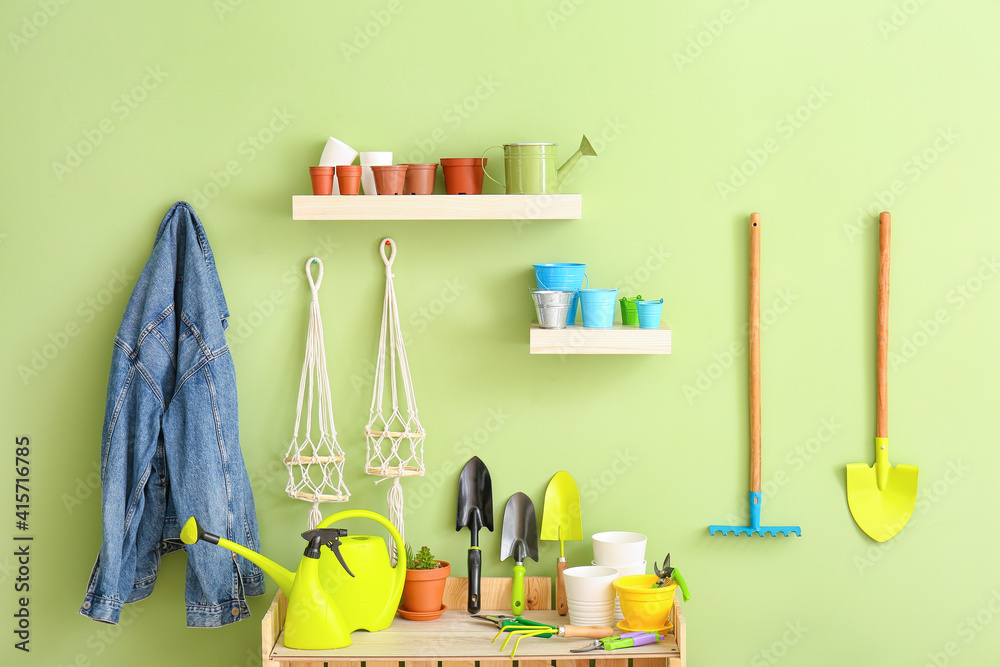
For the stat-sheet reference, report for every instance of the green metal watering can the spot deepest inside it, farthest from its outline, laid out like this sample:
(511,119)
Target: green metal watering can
(530,169)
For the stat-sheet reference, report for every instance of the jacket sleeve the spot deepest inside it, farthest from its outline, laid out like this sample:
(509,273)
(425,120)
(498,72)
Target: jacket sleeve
(130,437)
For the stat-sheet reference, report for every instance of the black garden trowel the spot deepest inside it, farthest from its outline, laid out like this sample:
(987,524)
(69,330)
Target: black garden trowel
(475,511)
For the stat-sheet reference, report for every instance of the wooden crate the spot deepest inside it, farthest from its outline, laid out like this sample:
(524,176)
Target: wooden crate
(458,640)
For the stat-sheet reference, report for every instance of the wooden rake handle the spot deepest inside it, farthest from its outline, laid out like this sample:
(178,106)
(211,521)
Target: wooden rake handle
(755,352)
(882,331)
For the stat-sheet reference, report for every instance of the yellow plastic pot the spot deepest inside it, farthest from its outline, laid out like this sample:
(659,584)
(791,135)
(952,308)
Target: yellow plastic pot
(644,607)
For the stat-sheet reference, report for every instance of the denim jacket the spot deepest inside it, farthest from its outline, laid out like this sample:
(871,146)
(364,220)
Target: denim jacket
(170,448)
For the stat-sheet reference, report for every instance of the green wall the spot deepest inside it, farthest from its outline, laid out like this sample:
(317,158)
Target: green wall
(818,115)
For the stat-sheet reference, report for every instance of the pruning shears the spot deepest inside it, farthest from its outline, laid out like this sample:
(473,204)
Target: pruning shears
(670,573)
(621,641)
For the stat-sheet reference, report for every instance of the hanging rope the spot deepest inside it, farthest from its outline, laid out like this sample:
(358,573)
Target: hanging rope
(395,443)
(315,466)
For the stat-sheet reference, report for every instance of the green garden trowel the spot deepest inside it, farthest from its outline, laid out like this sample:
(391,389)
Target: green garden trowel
(520,540)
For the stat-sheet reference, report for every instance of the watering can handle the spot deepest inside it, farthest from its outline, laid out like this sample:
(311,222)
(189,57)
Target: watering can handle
(374,516)
(483,165)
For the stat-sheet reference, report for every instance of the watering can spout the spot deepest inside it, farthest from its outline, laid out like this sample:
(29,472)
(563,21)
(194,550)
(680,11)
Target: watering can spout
(192,532)
(585,149)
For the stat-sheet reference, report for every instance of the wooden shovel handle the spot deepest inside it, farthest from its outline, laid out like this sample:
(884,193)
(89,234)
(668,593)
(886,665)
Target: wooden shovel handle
(589,631)
(755,352)
(882,333)
(561,605)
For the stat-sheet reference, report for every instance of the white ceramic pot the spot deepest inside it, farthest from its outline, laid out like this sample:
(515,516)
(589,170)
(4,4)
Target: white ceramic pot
(369,158)
(618,548)
(336,153)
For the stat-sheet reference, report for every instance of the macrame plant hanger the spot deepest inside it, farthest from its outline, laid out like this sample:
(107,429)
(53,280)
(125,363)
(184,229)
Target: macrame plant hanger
(395,440)
(315,463)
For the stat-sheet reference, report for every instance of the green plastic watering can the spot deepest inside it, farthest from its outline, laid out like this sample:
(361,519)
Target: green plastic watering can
(530,169)
(349,586)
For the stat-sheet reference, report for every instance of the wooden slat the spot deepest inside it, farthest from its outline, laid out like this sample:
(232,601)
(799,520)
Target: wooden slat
(270,625)
(455,597)
(439,207)
(495,592)
(647,662)
(457,635)
(620,339)
(611,662)
(680,634)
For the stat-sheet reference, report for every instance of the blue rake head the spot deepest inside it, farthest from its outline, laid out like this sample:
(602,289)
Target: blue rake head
(755,527)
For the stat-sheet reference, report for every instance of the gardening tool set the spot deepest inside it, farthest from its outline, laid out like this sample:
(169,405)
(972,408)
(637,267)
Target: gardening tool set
(355,583)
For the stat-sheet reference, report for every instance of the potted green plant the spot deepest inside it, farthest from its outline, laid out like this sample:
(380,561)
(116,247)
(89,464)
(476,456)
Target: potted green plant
(423,591)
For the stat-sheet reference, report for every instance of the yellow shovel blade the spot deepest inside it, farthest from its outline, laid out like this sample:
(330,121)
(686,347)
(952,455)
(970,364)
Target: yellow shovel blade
(881,510)
(561,514)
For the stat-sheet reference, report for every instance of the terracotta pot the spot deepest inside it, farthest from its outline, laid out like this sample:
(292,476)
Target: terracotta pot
(420,179)
(389,179)
(322,180)
(424,589)
(349,178)
(463,175)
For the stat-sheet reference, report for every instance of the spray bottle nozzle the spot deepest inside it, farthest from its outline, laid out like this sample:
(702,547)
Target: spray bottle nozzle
(331,538)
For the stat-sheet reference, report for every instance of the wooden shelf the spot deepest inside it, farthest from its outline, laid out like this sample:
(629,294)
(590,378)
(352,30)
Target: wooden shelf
(620,339)
(438,207)
(458,640)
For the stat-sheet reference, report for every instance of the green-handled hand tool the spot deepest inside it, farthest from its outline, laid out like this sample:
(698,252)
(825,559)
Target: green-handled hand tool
(519,539)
